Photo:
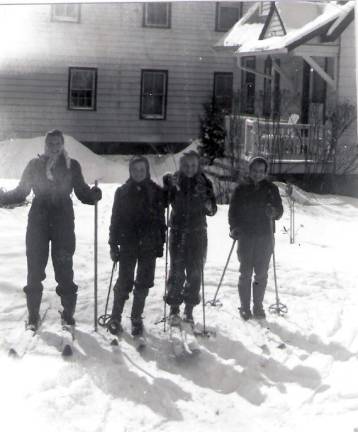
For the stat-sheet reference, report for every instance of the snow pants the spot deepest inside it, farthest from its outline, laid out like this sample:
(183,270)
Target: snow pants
(254,254)
(56,226)
(128,281)
(187,259)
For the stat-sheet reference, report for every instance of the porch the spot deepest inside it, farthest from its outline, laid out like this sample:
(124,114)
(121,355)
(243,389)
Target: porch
(289,147)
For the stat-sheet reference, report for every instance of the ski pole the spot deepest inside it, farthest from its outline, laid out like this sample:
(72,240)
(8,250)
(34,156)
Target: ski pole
(278,307)
(95,281)
(203,297)
(166,269)
(104,319)
(214,301)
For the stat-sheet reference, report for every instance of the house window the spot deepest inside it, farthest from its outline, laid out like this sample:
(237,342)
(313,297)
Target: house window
(154,94)
(248,86)
(66,12)
(223,90)
(227,15)
(157,15)
(82,89)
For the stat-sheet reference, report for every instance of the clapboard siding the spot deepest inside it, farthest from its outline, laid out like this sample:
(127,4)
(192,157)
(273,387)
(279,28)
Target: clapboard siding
(110,37)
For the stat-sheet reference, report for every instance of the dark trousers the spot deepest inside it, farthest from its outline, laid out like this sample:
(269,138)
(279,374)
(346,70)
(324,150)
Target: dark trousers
(254,254)
(142,281)
(187,259)
(58,230)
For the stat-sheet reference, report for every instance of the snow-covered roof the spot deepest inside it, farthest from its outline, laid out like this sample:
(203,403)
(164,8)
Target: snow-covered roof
(300,21)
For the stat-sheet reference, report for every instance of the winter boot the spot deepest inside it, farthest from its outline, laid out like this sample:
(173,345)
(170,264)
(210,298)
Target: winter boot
(139,297)
(245,314)
(68,303)
(33,300)
(137,327)
(174,317)
(259,312)
(114,326)
(188,314)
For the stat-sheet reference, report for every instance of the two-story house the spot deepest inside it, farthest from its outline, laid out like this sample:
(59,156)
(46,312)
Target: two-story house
(118,77)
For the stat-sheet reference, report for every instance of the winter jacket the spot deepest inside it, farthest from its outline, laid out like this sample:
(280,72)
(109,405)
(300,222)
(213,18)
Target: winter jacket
(138,221)
(248,207)
(189,200)
(50,194)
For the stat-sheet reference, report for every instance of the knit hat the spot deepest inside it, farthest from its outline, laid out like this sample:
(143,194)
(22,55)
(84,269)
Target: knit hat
(260,160)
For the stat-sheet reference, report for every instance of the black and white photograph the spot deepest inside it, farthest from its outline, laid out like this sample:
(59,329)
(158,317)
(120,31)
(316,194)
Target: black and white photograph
(178,216)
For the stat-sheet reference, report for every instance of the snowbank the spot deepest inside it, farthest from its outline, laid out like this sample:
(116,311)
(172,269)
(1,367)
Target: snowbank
(16,153)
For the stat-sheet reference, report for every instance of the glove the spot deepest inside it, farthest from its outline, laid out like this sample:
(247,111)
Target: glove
(114,252)
(96,193)
(2,196)
(168,180)
(160,251)
(235,233)
(270,211)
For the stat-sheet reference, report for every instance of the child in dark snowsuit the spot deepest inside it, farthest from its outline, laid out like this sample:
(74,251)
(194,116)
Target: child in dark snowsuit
(52,177)
(192,198)
(255,205)
(137,236)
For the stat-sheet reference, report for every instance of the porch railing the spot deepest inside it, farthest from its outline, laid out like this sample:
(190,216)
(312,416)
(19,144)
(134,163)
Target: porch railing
(279,141)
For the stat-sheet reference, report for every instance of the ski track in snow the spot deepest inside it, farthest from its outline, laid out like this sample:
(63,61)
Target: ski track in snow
(235,383)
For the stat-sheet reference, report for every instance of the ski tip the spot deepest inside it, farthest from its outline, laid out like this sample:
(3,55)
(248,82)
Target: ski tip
(67,351)
(13,353)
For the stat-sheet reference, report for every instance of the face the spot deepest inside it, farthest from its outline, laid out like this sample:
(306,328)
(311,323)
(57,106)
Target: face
(257,172)
(54,145)
(139,172)
(189,166)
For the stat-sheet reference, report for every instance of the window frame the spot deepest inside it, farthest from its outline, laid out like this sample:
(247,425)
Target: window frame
(220,5)
(151,117)
(94,97)
(167,26)
(227,74)
(64,18)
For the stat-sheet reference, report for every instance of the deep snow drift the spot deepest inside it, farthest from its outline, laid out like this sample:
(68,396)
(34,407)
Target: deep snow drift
(234,384)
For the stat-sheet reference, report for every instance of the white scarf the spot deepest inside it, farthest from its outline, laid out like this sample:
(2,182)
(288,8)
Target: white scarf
(52,160)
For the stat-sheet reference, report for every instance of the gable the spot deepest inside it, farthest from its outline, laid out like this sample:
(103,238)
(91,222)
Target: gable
(274,25)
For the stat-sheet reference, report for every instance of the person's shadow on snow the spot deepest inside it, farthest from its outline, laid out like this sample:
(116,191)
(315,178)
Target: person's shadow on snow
(265,369)
(207,370)
(312,343)
(118,375)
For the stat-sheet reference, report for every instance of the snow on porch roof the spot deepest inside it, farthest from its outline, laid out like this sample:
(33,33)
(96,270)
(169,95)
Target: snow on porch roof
(244,37)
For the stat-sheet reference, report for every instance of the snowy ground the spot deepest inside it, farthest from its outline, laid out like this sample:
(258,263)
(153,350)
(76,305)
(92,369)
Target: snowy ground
(234,384)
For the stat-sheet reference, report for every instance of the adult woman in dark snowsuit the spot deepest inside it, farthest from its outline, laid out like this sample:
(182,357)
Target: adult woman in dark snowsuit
(136,238)
(52,177)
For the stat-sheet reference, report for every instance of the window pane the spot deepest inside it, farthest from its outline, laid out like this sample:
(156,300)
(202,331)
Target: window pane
(82,88)
(248,86)
(66,12)
(153,105)
(82,79)
(227,16)
(157,14)
(153,94)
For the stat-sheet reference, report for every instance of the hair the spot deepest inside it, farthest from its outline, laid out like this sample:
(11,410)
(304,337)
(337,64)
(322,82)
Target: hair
(259,160)
(55,133)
